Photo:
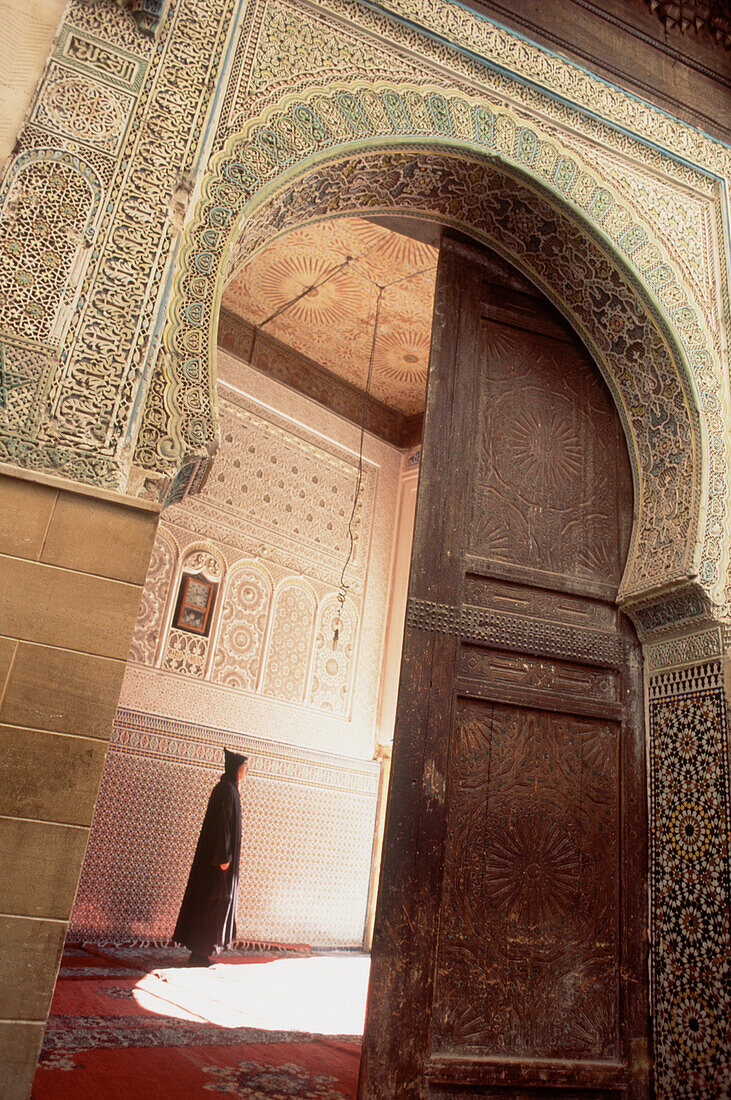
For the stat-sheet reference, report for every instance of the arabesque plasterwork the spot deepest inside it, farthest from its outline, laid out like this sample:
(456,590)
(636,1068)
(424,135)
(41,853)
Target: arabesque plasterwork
(108,87)
(264,153)
(555,75)
(115,127)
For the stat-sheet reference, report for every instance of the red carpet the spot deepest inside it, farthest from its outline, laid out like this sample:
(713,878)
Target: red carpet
(119,1030)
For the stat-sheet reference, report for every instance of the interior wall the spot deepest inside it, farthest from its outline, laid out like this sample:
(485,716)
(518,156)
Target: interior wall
(270,526)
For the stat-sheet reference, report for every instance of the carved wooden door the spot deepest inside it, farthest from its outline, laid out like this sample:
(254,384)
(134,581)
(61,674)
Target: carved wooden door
(508,955)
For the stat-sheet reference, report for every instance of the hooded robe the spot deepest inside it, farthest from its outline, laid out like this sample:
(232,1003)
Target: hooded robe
(207,916)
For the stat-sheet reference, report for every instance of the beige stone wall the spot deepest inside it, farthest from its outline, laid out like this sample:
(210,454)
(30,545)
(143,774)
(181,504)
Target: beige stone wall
(28,27)
(72,564)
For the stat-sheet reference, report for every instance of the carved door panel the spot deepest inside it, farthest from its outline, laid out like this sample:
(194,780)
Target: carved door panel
(508,953)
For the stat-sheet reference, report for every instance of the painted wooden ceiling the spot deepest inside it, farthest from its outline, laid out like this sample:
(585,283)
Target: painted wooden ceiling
(316,289)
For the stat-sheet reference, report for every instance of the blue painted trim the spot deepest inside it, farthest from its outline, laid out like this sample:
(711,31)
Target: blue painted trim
(221,84)
(474,56)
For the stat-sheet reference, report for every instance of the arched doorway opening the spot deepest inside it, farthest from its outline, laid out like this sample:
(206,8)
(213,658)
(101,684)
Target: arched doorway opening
(590,282)
(497,881)
(407,961)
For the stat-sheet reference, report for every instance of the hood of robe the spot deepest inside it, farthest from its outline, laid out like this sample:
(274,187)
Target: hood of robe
(232,763)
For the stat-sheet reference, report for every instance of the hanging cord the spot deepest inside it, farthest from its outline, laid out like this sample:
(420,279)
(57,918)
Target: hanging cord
(326,279)
(343,587)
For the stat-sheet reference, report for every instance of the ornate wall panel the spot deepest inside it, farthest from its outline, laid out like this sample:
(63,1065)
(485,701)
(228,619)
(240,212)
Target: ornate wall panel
(183,651)
(275,511)
(186,653)
(283,496)
(244,621)
(54,200)
(306,847)
(333,663)
(684,651)
(150,617)
(290,642)
(119,117)
(690,811)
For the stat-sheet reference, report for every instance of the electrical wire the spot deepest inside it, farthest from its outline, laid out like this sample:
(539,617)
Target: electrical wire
(343,588)
(308,290)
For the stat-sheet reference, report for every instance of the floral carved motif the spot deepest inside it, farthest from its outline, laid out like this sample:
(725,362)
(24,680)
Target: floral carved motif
(152,605)
(82,108)
(244,618)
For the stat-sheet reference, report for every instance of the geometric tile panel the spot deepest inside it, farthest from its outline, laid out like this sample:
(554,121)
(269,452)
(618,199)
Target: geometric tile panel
(307,836)
(691,904)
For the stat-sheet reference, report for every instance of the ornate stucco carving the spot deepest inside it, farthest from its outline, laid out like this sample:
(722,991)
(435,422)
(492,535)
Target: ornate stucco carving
(478,198)
(107,99)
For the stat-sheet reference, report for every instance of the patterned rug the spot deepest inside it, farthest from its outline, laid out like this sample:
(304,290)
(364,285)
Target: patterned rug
(136,1024)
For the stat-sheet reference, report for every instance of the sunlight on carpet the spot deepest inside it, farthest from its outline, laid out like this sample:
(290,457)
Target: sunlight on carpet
(135,1023)
(323,995)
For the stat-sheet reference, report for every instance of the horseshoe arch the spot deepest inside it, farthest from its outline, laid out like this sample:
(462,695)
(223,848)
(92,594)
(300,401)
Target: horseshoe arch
(362,149)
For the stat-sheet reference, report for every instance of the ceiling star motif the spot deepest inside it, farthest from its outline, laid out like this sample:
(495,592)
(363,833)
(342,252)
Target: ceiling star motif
(337,267)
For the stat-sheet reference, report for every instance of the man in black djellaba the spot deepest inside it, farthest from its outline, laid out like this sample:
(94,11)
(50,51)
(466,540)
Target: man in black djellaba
(207,918)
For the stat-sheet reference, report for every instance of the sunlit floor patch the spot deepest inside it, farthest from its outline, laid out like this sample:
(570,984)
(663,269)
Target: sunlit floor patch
(323,995)
(135,1023)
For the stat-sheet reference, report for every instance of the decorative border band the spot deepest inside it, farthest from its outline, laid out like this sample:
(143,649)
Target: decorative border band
(153,736)
(475,624)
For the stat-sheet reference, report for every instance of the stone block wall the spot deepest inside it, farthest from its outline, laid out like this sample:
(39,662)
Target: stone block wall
(72,566)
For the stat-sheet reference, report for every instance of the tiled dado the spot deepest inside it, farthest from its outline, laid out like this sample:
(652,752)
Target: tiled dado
(308,822)
(72,566)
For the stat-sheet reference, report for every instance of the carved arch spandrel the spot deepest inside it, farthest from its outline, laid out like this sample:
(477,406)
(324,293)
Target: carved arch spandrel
(257,180)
